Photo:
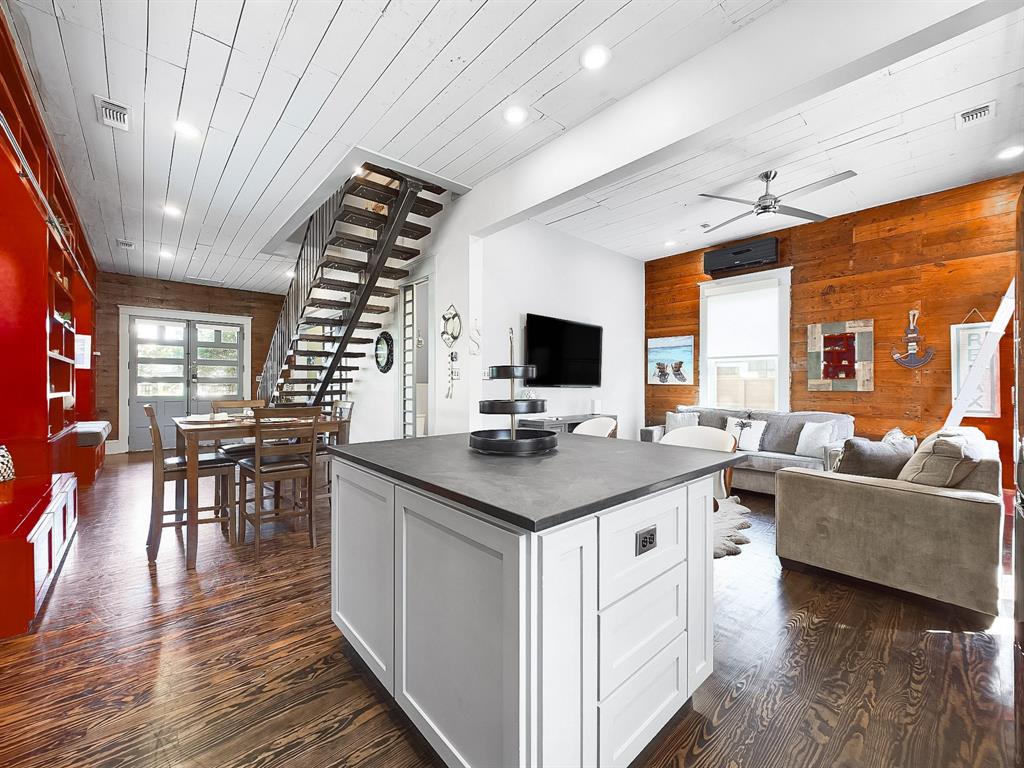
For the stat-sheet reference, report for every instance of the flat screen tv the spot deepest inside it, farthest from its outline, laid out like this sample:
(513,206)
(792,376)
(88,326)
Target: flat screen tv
(566,354)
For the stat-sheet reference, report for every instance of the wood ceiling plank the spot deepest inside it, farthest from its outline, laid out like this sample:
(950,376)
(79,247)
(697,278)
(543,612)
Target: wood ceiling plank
(170,30)
(163,92)
(259,27)
(218,19)
(216,149)
(303,31)
(346,34)
(308,98)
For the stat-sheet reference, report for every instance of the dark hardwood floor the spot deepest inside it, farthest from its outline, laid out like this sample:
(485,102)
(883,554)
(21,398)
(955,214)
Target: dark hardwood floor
(239,664)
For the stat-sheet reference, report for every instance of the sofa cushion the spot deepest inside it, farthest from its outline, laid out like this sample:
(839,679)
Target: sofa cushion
(814,436)
(748,432)
(767,461)
(783,432)
(942,461)
(676,419)
(712,417)
(869,458)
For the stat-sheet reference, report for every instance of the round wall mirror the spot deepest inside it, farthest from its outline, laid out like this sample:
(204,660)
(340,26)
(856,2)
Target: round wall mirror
(384,352)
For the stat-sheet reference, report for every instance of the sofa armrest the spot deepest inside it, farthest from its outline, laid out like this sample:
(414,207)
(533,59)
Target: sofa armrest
(652,434)
(943,543)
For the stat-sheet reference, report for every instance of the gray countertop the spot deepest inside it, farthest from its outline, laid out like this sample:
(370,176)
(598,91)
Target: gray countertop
(582,476)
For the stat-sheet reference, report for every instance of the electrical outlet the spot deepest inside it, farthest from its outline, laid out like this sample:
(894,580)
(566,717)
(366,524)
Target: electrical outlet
(456,374)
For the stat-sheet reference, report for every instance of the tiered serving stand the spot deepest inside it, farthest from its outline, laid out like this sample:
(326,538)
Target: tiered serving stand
(513,441)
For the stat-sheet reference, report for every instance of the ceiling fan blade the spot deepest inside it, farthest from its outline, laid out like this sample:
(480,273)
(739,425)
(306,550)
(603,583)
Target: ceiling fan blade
(730,221)
(800,213)
(730,199)
(808,188)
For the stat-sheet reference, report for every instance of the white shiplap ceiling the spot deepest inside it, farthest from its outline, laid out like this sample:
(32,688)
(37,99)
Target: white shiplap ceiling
(282,90)
(895,128)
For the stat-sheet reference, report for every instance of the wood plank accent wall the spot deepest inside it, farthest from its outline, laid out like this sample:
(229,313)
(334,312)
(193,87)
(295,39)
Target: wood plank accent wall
(115,290)
(942,254)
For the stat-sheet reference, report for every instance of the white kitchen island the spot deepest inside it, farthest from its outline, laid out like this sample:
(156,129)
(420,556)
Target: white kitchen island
(537,612)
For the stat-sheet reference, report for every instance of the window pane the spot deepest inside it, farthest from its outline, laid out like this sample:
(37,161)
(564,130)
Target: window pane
(208,391)
(160,350)
(174,332)
(160,389)
(147,331)
(206,333)
(229,336)
(745,383)
(217,353)
(157,370)
(217,371)
(743,322)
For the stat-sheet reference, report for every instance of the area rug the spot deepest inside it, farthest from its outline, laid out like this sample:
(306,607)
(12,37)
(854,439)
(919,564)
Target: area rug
(729,521)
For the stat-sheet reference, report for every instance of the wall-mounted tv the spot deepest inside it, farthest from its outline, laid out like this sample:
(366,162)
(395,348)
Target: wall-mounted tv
(566,354)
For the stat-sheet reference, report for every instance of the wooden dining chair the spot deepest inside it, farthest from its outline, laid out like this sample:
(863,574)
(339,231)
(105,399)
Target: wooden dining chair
(285,449)
(167,470)
(341,412)
(709,438)
(244,448)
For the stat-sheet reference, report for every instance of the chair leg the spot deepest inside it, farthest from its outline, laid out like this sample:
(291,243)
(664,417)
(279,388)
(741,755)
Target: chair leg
(243,489)
(277,497)
(258,520)
(230,511)
(156,519)
(309,512)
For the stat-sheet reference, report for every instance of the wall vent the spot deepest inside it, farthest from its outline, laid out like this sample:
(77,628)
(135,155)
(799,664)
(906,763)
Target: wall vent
(203,281)
(980,114)
(128,245)
(113,115)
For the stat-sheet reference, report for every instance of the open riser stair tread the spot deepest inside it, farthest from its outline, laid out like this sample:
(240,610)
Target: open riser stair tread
(331,284)
(335,304)
(368,219)
(356,242)
(340,322)
(345,263)
(367,189)
(396,176)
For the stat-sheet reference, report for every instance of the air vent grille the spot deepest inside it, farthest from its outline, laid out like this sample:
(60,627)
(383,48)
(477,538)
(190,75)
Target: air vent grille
(975,115)
(128,245)
(113,115)
(203,281)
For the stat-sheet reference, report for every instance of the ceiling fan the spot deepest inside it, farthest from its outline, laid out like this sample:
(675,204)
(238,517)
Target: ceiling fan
(769,203)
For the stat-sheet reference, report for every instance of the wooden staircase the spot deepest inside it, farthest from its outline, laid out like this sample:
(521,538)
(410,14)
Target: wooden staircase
(337,297)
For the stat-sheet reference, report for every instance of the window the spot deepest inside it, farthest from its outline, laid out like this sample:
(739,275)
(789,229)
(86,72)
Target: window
(744,341)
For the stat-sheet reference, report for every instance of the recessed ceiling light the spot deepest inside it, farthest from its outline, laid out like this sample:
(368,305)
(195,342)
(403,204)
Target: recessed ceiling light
(595,57)
(515,115)
(172,210)
(290,273)
(358,171)
(1011,152)
(669,243)
(186,130)
(166,255)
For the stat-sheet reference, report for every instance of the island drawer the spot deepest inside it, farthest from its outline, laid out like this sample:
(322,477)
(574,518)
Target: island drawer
(636,627)
(633,715)
(624,564)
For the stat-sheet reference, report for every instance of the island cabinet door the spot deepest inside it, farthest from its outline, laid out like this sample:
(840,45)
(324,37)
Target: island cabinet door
(363,566)
(459,622)
(700,592)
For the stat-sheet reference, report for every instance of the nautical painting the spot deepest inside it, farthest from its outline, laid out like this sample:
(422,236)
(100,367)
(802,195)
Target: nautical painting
(670,360)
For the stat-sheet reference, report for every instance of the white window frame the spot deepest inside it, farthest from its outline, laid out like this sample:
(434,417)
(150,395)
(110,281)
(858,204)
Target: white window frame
(783,279)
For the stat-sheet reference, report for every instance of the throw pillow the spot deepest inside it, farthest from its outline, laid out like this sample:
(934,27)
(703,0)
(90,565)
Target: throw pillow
(896,436)
(814,436)
(748,432)
(874,459)
(676,420)
(942,461)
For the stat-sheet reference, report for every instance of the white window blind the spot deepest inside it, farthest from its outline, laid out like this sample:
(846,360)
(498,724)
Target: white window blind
(743,323)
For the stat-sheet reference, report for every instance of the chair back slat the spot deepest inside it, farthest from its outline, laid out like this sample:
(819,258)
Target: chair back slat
(223,406)
(158,444)
(341,412)
(294,437)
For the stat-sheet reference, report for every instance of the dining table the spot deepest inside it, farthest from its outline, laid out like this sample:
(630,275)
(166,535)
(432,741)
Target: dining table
(215,427)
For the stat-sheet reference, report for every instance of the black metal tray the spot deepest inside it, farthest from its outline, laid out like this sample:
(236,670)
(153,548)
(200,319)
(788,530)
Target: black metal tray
(513,406)
(512,372)
(528,442)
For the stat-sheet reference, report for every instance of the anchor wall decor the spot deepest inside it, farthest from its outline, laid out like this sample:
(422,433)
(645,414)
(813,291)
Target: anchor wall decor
(913,338)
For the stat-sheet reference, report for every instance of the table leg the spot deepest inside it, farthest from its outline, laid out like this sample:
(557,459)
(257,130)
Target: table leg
(179,485)
(192,483)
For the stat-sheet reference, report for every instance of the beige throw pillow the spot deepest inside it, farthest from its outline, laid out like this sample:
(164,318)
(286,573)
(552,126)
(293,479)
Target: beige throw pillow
(942,461)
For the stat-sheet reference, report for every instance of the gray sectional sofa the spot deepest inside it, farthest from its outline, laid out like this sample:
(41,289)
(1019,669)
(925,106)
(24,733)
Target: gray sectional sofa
(778,445)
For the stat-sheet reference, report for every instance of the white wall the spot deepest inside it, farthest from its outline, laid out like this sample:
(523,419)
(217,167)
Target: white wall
(532,268)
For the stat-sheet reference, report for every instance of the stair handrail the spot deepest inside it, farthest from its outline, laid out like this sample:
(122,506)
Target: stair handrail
(319,229)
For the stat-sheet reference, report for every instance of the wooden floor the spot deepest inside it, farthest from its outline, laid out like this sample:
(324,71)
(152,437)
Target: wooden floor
(239,664)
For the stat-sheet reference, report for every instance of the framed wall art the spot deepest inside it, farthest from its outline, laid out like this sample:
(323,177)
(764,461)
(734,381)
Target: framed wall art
(965,341)
(670,360)
(841,356)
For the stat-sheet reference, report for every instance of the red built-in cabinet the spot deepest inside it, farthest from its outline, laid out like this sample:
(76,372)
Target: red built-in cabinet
(46,294)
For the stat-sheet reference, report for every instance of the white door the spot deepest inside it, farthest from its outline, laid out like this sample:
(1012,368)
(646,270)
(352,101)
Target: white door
(179,367)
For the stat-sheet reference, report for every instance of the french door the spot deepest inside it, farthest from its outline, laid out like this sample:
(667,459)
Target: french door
(179,367)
